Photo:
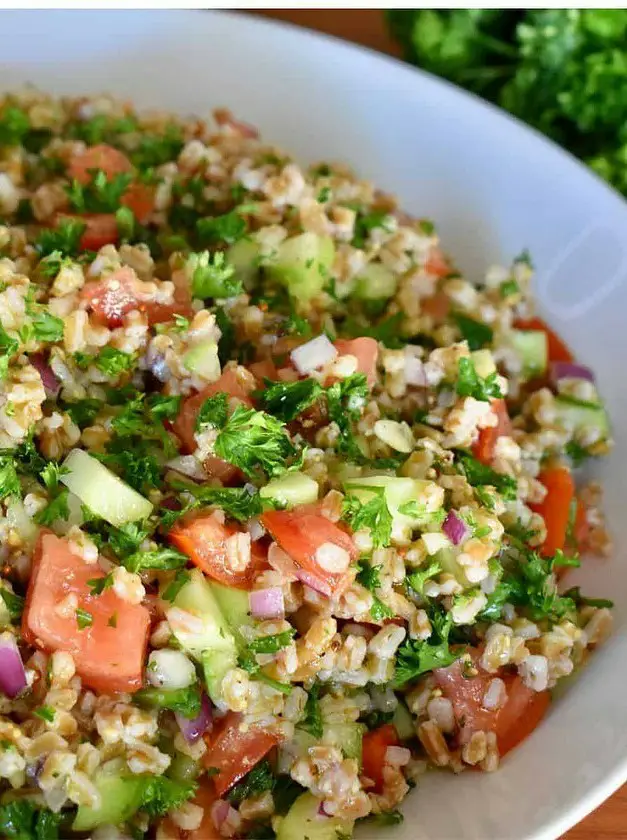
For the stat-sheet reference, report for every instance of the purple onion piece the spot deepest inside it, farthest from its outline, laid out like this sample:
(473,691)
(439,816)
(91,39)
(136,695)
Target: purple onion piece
(570,370)
(455,528)
(267,603)
(12,674)
(50,382)
(194,728)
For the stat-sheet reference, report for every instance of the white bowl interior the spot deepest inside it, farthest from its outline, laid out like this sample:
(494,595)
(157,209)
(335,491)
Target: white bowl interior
(494,188)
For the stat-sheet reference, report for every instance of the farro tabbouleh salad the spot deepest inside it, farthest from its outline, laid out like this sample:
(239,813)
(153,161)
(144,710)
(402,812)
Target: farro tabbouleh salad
(284,500)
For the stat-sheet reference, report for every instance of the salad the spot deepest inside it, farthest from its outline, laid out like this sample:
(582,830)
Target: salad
(285,501)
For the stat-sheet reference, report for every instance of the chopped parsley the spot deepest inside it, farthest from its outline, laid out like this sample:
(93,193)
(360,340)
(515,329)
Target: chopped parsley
(311,721)
(346,401)
(367,222)
(160,558)
(64,239)
(100,195)
(580,600)
(84,619)
(14,603)
(415,658)
(470,384)
(21,819)
(476,333)
(113,362)
(417,579)
(186,701)
(162,795)
(478,474)
(176,584)
(373,514)
(228,228)
(213,276)
(44,325)
(98,585)
(286,400)
(248,662)
(56,509)
(271,644)
(8,347)
(241,503)
(9,480)
(213,412)
(83,412)
(258,780)
(46,713)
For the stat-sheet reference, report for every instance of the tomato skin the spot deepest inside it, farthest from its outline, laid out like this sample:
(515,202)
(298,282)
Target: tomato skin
(108,658)
(185,424)
(366,351)
(204,539)
(140,198)
(558,350)
(107,158)
(522,712)
(374,747)
(234,750)
(300,532)
(437,263)
(437,306)
(265,369)
(556,507)
(100,229)
(483,448)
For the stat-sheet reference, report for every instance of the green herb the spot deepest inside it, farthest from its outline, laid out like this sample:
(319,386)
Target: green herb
(241,503)
(574,594)
(286,400)
(14,126)
(186,701)
(84,619)
(509,288)
(311,721)
(256,442)
(162,795)
(23,820)
(213,411)
(65,238)
(9,481)
(271,644)
(415,658)
(156,149)
(113,362)
(126,222)
(14,603)
(388,331)
(373,514)
(258,780)
(174,587)
(228,228)
(45,325)
(46,713)
(100,195)
(127,538)
(160,558)
(324,195)
(479,474)
(51,475)
(248,662)
(474,332)
(577,453)
(165,408)
(8,347)
(83,412)
(346,401)
(227,342)
(416,580)
(418,510)
(100,584)
(56,509)
(113,620)
(213,276)
(470,384)
(366,222)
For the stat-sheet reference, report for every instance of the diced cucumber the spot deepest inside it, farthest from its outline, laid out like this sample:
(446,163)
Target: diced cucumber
(400,491)
(212,643)
(102,491)
(375,282)
(120,797)
(183,768)
(447,559)
(304,822)
(291,489)
(5,615)
(302,264)
(533,349)
(234,605)
(403,722)
(346,737)
(203,359)
(244,257)
(580,416)
(483,361)
(19,521)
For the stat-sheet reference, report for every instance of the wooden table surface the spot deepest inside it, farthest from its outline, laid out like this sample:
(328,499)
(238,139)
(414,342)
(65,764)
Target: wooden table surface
(365,26)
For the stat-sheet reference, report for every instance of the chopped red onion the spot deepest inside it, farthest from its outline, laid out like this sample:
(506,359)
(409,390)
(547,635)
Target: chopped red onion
(322,812)
(220,811)
(455,528)
(313,355)
(194,728)
(12,674)
(314,583)
(267,603)
(50,382)
(570,370)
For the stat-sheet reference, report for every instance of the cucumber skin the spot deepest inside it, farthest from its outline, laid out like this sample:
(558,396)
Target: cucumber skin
(120,798)
(304,822)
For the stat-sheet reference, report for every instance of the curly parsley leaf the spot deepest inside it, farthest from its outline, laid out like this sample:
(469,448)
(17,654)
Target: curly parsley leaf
(213,276)
(14,603)
(369,577)
(56,509)
(213,411)
(476,333)
(415,658)
(65,238)
(286,400)
(113,362)
(23,820)
(163,407)
(160,558)
(416,580)
(470,384)
(228,228)
(258,780)
(241,503)
(8,347)
(478,474)
(9,480)
(44,325)
(181,577)
(83,412)
(311,721)
(186,701)
(100,195)
(372,514)
(346,401)
(271,644)
(162,795)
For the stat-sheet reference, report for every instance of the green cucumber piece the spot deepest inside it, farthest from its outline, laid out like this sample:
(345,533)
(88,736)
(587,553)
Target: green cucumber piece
(403,722)
(375,282)
(533,348)
(102,491)
(399,491)
(183,768)
(244,256)
(203,359)
(120,798)
(302,264)
(304,822)
(216,664)
(290,490)
(483,361)
(581,416)
(346,737)
(234,605)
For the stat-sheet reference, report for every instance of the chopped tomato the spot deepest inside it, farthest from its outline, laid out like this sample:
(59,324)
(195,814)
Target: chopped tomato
(234,749)
(522,712)
(120,292)
(266,369)
(101,157)
(301,533)
(558,350)
(365,350)
(437,306)
(100,229)
(556,507)
(205,540)
(185,424)
(204,798)
(140,198)
(109,650)
(374,748)
(483,448)
(437,263)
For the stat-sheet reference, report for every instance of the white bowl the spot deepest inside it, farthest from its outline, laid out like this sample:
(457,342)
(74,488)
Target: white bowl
(494,188)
